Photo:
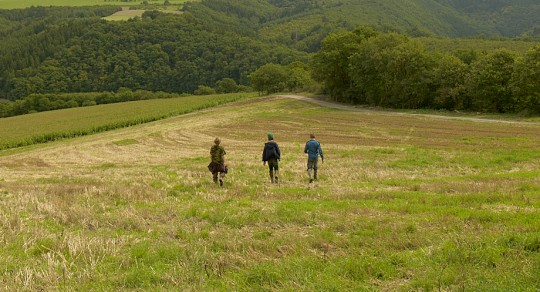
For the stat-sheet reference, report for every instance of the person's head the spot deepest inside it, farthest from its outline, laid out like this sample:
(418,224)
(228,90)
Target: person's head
(270,136)
(217,141)
(312,136)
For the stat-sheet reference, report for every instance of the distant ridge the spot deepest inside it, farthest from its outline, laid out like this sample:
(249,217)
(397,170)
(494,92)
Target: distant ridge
(452,18)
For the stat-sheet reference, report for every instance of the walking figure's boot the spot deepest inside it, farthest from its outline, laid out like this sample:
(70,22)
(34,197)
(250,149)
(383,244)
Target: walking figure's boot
(221,177)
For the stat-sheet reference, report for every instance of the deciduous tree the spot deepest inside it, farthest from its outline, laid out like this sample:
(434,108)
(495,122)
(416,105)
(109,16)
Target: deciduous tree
(525,81)
(269,78)
(488,83)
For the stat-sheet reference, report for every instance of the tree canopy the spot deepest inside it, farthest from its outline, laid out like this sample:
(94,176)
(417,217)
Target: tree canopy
(222,46)
(393,70)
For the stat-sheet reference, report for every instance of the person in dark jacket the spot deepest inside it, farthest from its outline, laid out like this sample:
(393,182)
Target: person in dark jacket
(217,165)
(272,155)
(313,150)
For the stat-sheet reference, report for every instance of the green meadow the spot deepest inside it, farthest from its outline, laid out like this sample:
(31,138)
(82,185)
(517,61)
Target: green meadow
(403,202)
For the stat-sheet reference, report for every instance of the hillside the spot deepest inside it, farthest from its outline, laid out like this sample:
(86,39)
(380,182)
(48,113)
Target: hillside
(299,23)
(53,50)
(403,203)
(454,18)
(64,49)
(501,17)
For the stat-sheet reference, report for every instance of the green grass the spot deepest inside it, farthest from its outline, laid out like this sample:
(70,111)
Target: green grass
(128,14)
(403,203)
(120,17)
(53,125)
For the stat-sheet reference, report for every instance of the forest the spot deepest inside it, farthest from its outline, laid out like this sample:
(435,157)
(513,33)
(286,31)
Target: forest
(159,52)
(391,70)
(47,54)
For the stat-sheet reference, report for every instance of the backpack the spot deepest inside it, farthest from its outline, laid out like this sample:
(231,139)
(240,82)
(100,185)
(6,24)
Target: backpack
(271,151)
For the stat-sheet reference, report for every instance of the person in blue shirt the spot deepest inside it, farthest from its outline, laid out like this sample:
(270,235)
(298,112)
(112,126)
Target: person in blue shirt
(313,150)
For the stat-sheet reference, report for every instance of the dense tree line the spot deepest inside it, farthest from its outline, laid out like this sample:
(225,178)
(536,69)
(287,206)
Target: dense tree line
(29,36)
(39,102)
(391,70)
(218,45)
(158,52)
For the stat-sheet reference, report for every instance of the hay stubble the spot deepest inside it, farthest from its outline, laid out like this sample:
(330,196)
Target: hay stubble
(399,197)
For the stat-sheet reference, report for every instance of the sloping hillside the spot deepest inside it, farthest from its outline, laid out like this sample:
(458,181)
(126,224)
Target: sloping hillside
(402,203)
(302,24)
(500,17)
(66,49)
(417,17)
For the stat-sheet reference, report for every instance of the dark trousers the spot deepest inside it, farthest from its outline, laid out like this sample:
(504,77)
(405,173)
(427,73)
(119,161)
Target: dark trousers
(273,167)
(312,164)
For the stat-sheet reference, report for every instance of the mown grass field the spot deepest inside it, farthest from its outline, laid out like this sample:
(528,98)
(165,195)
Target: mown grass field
(404,202)
(129,14)
(13,4)
(52,125)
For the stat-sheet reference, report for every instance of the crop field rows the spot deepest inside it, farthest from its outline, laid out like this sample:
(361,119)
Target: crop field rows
(403,202)
(21,130)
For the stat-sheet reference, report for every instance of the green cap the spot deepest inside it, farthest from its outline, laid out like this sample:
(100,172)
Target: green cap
(270,136)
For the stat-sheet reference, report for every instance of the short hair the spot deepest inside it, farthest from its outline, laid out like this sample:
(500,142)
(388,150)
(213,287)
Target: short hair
(217,141)
(312,136)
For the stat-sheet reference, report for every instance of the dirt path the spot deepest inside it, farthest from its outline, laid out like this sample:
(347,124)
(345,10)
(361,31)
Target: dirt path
(356,109)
